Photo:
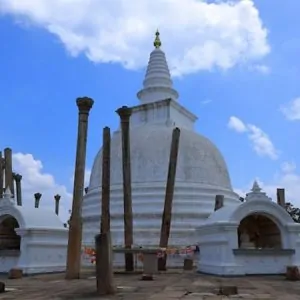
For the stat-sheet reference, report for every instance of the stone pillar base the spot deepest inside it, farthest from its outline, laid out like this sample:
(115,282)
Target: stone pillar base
(292,273)
(188,264)
(15,274)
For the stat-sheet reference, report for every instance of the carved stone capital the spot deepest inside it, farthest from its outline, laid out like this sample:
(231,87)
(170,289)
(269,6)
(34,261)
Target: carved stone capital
(57,197)
(124,112)
(37,196)
(84,104)
(17,177)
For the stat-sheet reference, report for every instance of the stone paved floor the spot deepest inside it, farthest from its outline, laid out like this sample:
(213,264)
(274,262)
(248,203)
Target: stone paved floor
(170,286)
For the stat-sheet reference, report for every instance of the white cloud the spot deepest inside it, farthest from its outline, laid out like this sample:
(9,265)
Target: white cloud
(261,69)
(261,142)
(87,175)
(206,101)
(196,35)
(287,179)
(34,180)
(288,167)
(291,110)
(236,124)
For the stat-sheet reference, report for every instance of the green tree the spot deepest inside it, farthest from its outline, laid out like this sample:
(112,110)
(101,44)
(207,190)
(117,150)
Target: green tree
(293,211)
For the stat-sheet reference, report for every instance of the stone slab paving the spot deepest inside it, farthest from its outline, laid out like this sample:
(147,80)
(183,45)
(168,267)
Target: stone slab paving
(173,285)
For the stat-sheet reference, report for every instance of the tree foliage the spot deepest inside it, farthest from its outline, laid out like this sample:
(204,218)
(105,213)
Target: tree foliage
(293,211)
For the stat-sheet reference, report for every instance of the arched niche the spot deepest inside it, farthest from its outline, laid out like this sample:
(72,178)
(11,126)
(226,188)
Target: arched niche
(259,231)
(9,240)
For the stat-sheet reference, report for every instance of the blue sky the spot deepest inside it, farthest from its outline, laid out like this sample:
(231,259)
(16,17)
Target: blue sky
(43,70)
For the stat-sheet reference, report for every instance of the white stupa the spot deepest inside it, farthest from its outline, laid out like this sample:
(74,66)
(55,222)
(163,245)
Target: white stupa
(201,170)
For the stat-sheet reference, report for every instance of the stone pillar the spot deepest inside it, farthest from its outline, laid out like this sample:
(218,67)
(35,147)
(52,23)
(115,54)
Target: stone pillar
(57,198)
(18,178)
(167,213)
(8,170)
(281,197)
(104,265)
(37,198)
(1,175)
(219,202)
(125,114)
(105,199)
(75,230)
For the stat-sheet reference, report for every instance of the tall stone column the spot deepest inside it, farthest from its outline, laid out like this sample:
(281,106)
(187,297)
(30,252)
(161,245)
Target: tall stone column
(281,197)
(1,174)
(105,198)
(18,178)
(170,186)
(125,113)
(8,170)
(57,198)
(104,263)
(75,230)
(37,198)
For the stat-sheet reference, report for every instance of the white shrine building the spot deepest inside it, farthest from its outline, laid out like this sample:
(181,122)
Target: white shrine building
(201,169)
(255,237)
(33,240)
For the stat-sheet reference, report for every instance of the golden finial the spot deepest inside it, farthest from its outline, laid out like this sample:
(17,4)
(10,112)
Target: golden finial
(157,42)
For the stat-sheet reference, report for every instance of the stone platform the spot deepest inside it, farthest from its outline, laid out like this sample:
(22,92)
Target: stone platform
(172,285)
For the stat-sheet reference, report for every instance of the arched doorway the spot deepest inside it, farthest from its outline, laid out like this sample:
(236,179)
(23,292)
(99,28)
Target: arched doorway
(9,240)
(260,232)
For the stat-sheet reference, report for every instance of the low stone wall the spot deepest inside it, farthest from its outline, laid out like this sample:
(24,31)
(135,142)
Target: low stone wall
(173,260)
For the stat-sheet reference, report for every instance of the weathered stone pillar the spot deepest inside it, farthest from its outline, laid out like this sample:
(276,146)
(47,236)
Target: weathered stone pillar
(57,198)
(75,230)
(37,198)
(125,114)
(18,178)
(281,197)
(1,175)
(219,202)
(167,213)
(8,170)
(104,266)
(105,199)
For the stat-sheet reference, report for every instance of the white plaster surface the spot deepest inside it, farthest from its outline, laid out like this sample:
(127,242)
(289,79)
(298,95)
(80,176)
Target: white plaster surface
(201,174)
(7,262)
(217,238)
(158,83)
(201,170)
(43,239)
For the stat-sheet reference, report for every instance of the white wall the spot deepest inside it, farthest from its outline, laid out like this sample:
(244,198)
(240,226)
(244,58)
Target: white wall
(8,260)
(264,264)
(43,250)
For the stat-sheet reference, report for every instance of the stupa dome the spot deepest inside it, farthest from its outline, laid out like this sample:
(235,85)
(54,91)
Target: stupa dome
(199,161)
(201,170)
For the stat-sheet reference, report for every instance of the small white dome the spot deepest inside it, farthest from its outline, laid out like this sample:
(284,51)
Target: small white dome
(199,161)
(30,217)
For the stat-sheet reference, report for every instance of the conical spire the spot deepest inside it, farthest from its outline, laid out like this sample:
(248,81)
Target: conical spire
(158,84)
(255,188)
(257,194)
